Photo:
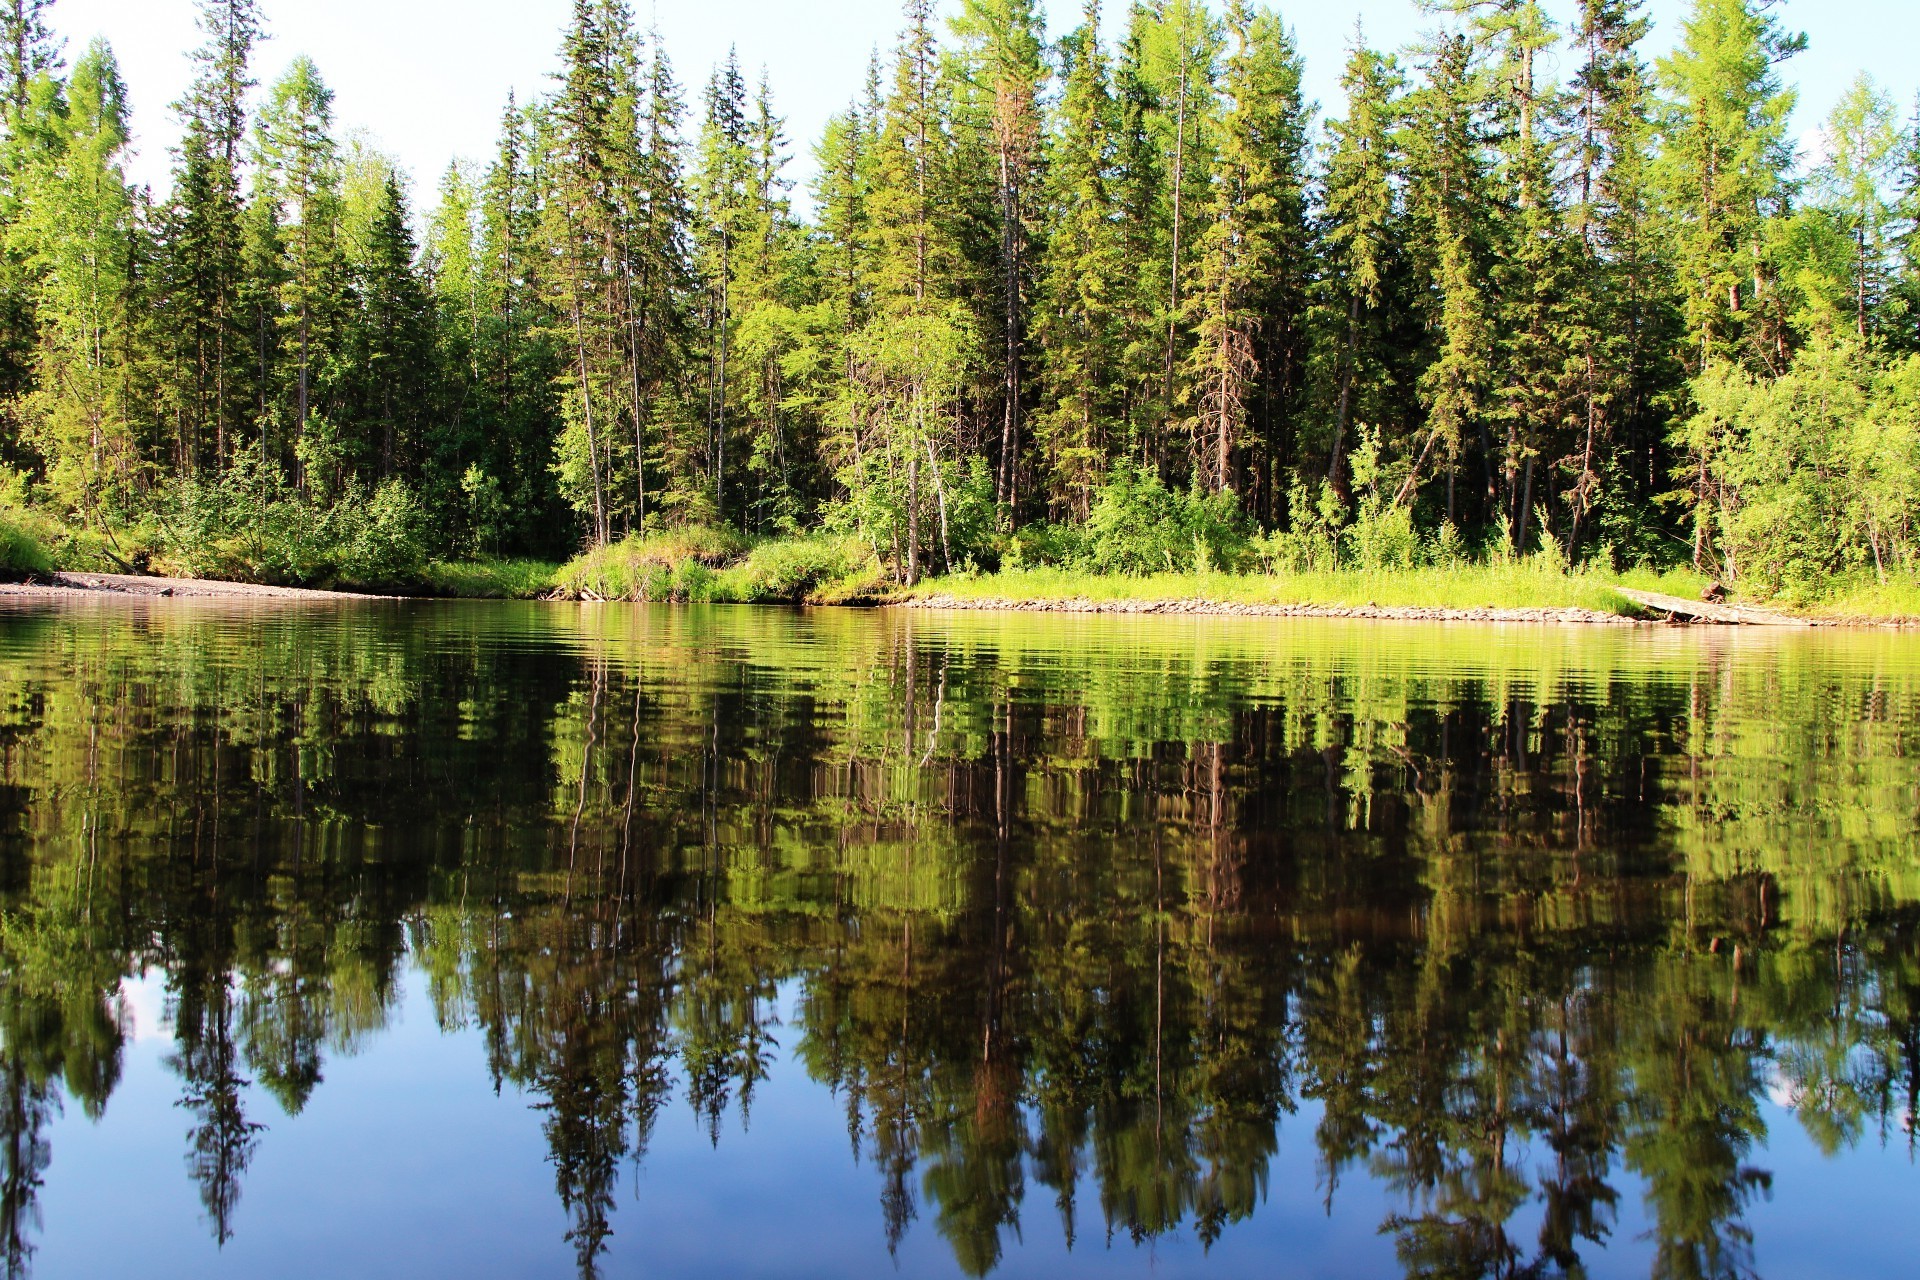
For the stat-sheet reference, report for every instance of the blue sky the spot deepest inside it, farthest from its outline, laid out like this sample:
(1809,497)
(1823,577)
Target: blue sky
(427,78)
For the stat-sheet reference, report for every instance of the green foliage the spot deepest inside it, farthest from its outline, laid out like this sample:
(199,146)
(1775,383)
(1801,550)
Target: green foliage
(1820,468)
(20,552)
(253,525)
(706,565)
(1140,526)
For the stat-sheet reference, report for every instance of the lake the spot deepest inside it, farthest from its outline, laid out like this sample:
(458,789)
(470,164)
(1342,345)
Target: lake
(544,940)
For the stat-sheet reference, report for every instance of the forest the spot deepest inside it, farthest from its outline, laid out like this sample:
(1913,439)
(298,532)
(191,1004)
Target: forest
(1121,305)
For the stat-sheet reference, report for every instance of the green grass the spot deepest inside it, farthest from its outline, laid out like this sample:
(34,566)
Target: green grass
(489,579)
(709,566)
(1884,601)
(1524,585)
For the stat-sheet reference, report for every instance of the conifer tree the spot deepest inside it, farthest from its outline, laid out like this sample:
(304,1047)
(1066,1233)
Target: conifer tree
(1361,236)
(1001,49)
(1621,317)
(1178,47)
(204,333)
(1252,252)
(1448,197)
(300,176)
(28,48)
(74,227)
(1084,277)
(1723,172)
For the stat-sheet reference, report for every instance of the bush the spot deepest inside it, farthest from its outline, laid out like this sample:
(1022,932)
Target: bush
(252,525)
(1139,526)
(21,554)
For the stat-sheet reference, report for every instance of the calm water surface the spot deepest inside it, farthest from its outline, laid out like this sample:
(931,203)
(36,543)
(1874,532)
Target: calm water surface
(521,940)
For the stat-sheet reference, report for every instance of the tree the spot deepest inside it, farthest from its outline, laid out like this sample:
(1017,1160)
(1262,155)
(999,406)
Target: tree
(1448,203)
(1723,172)
(1083,278)
(300,176)
(75,229)
(1853,189)
(1253,249)
(202,256)
(1001,50)
(28,48)
(1360,240)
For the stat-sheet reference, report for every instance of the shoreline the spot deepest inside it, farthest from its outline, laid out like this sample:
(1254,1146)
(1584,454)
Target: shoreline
(1197,607)
(81,586)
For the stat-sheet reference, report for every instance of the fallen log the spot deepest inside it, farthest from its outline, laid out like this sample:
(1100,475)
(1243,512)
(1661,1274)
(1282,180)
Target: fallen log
(1699,611)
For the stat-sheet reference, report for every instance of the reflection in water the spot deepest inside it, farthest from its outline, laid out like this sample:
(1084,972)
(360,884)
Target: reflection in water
(1077,916)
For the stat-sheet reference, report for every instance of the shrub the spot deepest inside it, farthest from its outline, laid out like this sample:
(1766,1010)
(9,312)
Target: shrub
(1139,526)
(20,552)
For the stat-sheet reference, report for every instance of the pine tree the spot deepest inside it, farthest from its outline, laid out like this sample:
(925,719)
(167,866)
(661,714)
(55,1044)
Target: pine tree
(1001,50)
(204,332)
(1361,234)
(1084,277)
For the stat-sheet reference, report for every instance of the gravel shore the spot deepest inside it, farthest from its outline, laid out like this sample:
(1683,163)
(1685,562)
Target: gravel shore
(70,585)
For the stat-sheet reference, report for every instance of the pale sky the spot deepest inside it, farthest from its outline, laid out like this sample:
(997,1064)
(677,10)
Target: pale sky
(428,78)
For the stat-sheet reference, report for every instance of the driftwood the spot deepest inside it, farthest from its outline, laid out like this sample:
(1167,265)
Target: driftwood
(1699,611)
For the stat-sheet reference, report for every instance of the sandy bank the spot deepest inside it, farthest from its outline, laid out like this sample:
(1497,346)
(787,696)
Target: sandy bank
(66,585)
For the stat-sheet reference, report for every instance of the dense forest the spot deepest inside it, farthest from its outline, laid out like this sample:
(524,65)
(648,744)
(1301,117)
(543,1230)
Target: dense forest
(1527,286)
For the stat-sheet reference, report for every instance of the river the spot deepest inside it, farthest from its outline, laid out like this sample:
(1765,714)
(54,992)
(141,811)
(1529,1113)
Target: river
(534,940)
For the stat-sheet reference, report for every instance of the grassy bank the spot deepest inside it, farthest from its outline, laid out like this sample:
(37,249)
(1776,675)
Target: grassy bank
(1522,585)
(720,566)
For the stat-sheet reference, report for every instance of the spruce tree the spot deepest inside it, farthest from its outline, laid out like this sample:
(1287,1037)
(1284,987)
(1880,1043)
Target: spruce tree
(204,331)
(1361,235)
(1001,50)
(300,165)
(1448,198)
(1084,278)
(1621,317)
(1253,229)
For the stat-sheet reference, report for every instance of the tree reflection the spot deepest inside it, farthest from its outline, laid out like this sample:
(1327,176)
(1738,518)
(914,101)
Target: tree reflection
(1061,940)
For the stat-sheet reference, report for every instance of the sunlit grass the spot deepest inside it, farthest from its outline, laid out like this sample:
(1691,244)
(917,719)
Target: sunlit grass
(1522,585)
(489,579)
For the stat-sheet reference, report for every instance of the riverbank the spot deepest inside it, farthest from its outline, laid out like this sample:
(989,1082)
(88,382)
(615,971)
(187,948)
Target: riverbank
(81,585)
(724,567)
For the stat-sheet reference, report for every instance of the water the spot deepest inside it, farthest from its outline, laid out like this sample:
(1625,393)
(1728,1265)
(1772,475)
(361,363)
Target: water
(525,940)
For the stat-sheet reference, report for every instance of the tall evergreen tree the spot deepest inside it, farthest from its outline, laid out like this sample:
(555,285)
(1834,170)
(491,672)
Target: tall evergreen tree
(1724,168)
(1001,43)
(28,48)
(204,332)
(1361,238)
(1084,277)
